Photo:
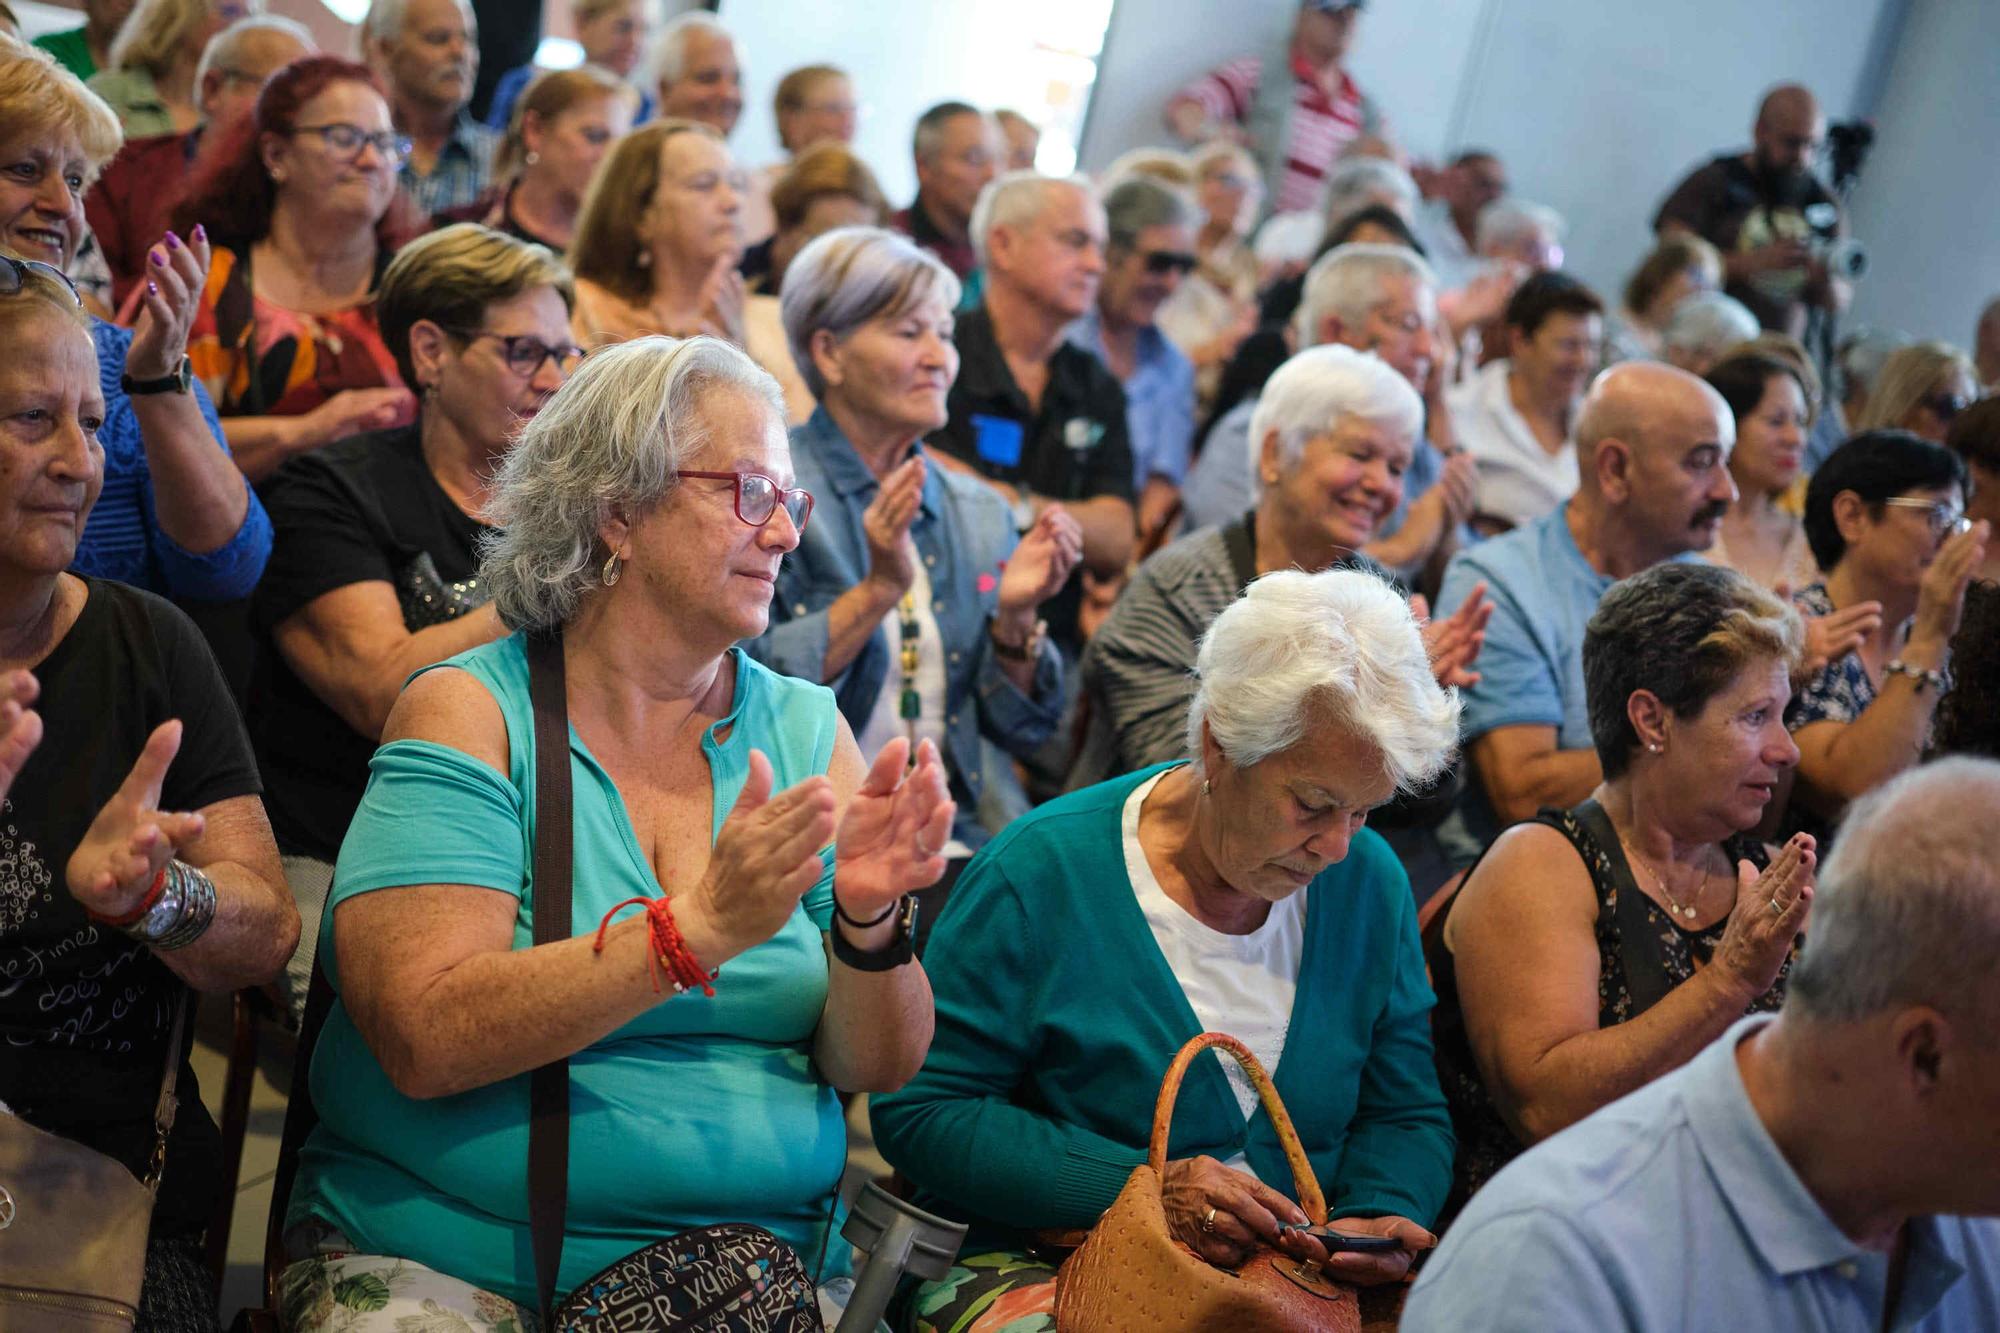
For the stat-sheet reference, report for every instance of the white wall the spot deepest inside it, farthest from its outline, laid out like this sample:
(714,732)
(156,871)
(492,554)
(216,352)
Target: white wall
(1929,194)
(1597,106)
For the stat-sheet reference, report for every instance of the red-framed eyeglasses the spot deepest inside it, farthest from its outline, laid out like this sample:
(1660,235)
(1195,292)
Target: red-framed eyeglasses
(758,497)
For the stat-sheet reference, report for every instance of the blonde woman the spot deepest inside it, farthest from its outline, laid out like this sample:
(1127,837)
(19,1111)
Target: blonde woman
(150,79)
(1679,266)
(658,242)
(1921,388)
(561,127)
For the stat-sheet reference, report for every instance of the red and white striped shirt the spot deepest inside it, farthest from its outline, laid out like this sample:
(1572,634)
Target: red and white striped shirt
(1322,122)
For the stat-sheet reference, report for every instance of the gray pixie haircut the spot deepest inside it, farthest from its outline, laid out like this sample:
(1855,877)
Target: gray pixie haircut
(1338,648)
(849,276)
(1138,202)
(1014,199)
(1709,323)
(1508,219)
(1907,908)
(223,46)
(1357,182)
(609,441)
(1349,281)
(1313,392)
(667,61)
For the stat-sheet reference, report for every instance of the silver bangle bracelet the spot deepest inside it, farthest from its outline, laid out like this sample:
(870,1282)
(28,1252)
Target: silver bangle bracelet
(184,912)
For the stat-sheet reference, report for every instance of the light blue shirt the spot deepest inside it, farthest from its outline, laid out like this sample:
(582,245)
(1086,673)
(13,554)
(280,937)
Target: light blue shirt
(1673,1209)
(1159,400)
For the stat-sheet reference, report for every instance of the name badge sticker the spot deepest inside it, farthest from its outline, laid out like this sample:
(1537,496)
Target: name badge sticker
(997,440)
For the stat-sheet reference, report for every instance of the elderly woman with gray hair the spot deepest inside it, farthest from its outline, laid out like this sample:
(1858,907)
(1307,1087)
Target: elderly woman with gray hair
(1333,434)
(643,515)
(909,596)
(1236,890)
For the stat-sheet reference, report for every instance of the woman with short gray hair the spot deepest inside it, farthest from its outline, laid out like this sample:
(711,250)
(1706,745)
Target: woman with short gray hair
(645,512)
(1236,890)
(910,596)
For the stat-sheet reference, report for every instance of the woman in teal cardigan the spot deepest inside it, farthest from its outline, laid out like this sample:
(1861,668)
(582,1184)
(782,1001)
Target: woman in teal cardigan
(1238,892)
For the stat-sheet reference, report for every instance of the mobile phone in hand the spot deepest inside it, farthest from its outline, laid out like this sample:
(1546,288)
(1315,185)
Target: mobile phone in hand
(1347,1242)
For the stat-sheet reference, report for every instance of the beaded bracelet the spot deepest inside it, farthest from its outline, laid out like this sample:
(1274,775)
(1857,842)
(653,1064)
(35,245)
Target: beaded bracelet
(670,952)
(1919,676)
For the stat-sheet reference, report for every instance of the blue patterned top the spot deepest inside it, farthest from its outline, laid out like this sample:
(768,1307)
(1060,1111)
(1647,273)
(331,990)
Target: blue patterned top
(122,541)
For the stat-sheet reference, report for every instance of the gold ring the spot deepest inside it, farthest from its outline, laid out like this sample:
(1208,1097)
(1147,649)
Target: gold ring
(1775,908)
(1208,1223)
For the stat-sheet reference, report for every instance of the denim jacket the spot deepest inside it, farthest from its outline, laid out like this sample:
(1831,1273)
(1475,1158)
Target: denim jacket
(964,533)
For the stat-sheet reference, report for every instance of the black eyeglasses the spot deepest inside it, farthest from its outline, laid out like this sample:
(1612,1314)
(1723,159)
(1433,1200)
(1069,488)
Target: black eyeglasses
(14,277)
(346,141)
(1159,263)
(525,353)
(758,497)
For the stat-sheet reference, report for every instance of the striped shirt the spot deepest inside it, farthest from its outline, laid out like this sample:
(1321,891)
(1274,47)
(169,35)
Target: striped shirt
(1138,672)
(1323,121)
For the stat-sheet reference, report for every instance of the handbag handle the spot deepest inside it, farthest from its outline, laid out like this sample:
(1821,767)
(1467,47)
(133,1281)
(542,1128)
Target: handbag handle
(1303,1179)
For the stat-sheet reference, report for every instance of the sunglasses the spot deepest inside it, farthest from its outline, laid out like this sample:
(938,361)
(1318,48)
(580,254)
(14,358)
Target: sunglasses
(1946,406)
(758,497)
(1159,263)
(14,277)
(1946,518)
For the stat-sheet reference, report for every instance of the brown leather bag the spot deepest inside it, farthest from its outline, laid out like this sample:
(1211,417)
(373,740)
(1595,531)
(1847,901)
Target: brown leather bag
(1131,1273)
(74,1223)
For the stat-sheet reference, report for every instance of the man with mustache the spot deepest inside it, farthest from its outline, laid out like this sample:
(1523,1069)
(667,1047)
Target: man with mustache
(1652,445)
(427,52)
(1761,209)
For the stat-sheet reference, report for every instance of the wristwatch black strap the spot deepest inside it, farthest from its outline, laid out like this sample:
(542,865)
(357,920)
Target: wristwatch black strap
(181,381)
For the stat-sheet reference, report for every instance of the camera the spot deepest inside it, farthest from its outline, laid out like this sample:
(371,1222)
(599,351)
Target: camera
(1843,256)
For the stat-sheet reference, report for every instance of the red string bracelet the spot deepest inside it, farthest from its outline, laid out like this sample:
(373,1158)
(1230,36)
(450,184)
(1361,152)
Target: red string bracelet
(669,953)
(145,905)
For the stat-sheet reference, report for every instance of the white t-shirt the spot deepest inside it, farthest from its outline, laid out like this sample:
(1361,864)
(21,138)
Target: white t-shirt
(886,722)
(1519,480)
(1243,985)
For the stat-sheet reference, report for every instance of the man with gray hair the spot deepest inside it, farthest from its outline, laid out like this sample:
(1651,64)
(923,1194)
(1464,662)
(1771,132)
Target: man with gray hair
(427,53)
(1652,446)
(1373,298)
(958,150)
(1702,328)
(1151,227)
(127,207)
(1829,1167)
(697,73)
(1036,417)
(1334,429)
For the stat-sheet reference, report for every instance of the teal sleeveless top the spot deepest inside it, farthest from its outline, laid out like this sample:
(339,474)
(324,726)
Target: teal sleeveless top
(700,1110)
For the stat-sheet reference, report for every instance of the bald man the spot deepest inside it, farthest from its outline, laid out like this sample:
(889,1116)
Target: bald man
(1762,208)
(1652,446)
(1829,1168)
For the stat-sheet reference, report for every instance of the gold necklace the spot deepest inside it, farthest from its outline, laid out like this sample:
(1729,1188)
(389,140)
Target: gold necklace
(1674,904)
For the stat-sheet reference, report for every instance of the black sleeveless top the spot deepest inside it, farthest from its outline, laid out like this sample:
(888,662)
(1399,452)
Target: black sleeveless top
(1642,952)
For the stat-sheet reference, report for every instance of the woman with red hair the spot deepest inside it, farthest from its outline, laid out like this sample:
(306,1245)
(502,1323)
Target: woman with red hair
(301,204)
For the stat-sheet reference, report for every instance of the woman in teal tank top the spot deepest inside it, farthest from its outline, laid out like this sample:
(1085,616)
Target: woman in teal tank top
(644,512)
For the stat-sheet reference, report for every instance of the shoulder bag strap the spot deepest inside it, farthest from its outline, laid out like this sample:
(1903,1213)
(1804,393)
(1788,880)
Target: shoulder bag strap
(548,1086)
(164,1108)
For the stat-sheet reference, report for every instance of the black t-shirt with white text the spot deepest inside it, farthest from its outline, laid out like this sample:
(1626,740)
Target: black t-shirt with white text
(84,1011)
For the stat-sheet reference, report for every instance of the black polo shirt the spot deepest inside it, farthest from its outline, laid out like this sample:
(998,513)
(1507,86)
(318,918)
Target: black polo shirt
(1076,448)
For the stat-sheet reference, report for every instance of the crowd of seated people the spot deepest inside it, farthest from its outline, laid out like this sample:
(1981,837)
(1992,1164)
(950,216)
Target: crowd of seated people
(984,631)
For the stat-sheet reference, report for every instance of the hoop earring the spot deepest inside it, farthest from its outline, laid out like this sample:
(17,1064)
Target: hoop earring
(533,158)
(1204,786)
(611,571)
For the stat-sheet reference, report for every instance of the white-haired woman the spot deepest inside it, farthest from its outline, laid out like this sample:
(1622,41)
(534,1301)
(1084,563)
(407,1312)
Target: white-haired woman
(910,596)
(1235,890)
(644,514)
(1334,430)
(149,80)
(1702,329)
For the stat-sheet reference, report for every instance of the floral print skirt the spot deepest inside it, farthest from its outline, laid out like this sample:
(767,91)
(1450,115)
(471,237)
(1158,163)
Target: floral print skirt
(373,1293)
(986,1293)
